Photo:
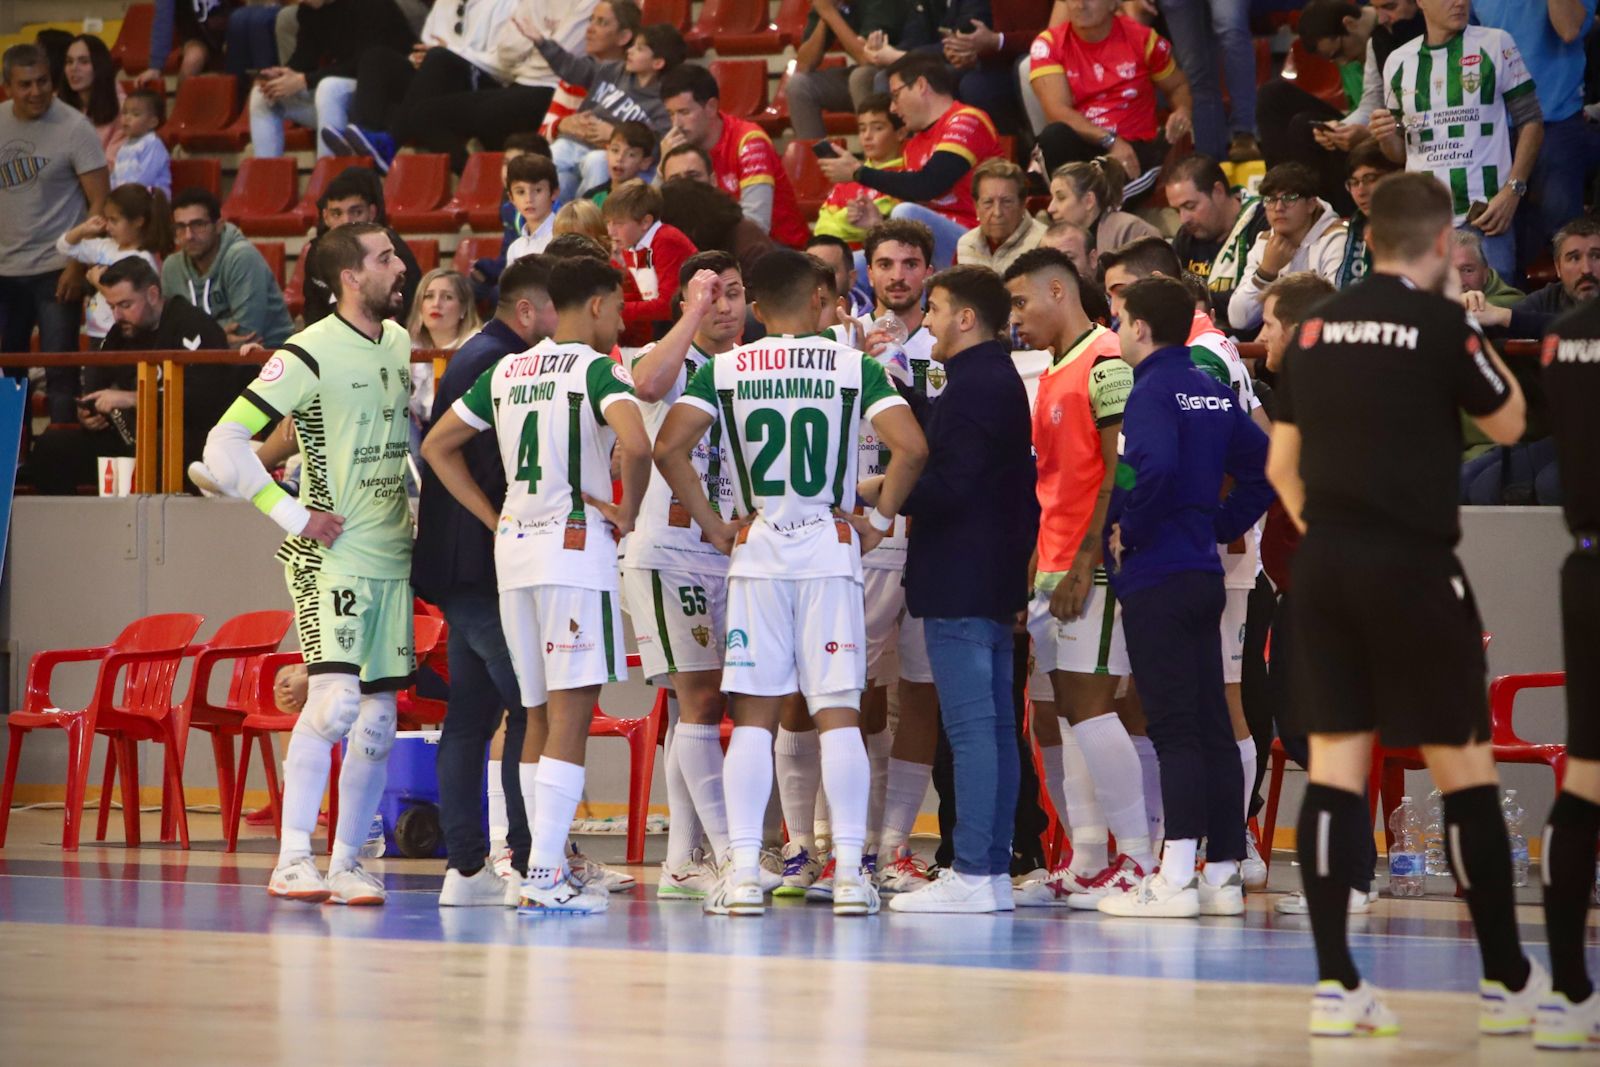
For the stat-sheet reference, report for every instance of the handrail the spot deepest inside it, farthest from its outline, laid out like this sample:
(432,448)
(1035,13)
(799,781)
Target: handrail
(1509,349)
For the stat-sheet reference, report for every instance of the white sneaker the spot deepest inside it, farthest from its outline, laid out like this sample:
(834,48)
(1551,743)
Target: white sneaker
(821,891)
(1562,1024)
(950,893)
(588,872)
(298,880)
(1500,1011)
(1224,899)
(486,889)
(1295,903)
(772,860)
(1154,898)
(800,870)
(1038,874)
(356,886)
(1340,1012)
(503,865)
(1004,893)
(554,891)
(903,874)
(204,480)
(735,894)
(690,881)
(1253,869)
(854,894)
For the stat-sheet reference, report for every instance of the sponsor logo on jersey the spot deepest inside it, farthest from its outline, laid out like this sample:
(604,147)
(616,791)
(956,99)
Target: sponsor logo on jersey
(1581,350)
(1127,70)
(839,646)
(1310,330)
(620,373)
(273,370)
(1388,334)
(1198,402)
(383,376)
(738,639)
(1040,49)
(701,635)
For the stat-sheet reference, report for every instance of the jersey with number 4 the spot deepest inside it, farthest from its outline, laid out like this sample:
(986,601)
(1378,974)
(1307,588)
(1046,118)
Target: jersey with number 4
(791,409)
(927,378)
(547,407)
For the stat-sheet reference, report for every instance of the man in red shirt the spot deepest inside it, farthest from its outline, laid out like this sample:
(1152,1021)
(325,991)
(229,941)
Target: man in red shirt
(950,139)
(744,162)
(1096,77)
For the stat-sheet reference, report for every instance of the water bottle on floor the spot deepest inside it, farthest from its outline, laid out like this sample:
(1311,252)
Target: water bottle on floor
(1519,841)
(373,847)
(1433,837)
(1405,854)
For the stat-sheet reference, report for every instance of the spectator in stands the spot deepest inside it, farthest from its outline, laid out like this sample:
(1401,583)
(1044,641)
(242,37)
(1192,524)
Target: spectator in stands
(50,187)
(1078,245)
(314,86)
(354,195)
(1090,195)
(948,139)
(219,271)
(744,163)
(610,33)
(1577,252)
(443,317)
(1474,274)
(651,251)
(486,271)
(1470,147)
(89,84)
(883,143)
(813,88)
(143,159)
(711,220)
(836,254)
(1368,165)
(531,183)
(1304,233)
(986,52)
(581,216)
(1204,31)
(136,222)
(687,161)
(630,154)
(213,35)
(1096,76)
(1005,230)
(1217,225)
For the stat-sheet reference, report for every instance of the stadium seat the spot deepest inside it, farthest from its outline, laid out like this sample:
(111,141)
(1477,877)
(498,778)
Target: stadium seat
(415,192)
(199,120)
(146,656)
(785,29)
(480,191)
(429,637)
(1315,75)
(775,117)
(471,249)
(303,216)
(259,724)
(725,17)
(263,189)
(294,294)
(810,184)
(642,736)
(426,249)
(131,50)
(204,173)
(742,84)
(277,258)
(674,13)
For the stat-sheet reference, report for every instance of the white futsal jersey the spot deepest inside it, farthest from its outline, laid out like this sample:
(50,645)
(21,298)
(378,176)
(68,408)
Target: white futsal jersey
(547,406)
(791,409)
(927,378)
(1215,353)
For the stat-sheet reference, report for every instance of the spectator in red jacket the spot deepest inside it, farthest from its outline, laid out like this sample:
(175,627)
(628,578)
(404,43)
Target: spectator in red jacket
(651,251)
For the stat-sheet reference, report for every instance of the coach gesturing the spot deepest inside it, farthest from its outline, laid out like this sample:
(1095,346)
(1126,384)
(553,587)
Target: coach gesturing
(1387,638)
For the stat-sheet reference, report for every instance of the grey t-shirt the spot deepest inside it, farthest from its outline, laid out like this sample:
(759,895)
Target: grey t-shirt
(40,198)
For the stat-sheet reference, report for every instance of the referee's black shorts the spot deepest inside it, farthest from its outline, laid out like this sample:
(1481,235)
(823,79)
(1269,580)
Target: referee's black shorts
(1386,637)
(1580,637)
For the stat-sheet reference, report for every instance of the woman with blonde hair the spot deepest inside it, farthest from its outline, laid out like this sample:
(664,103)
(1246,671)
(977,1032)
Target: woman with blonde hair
(443,316)
(1090,195)
(582,216)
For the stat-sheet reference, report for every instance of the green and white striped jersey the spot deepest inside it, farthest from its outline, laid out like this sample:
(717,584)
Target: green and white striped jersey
(547,407)
(791,409)
(927,378)
(1452,102)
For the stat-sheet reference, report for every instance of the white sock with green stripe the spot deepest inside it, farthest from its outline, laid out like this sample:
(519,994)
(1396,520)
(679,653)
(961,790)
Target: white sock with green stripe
(1118,783)
(699,748)
(799,765)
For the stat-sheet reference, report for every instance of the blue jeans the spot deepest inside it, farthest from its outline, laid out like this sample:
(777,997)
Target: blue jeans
(946,232)
(1570,152)
(971,660)
(28,301)
(1202,32)
(327,107)
(482,685)
(1500,251)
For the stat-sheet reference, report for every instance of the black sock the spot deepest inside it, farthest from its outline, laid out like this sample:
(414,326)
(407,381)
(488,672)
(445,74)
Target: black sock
(1329,842)
(1480,856)
(1568,880)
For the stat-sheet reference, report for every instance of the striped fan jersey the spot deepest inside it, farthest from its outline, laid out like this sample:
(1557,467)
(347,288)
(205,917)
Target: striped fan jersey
(928,379)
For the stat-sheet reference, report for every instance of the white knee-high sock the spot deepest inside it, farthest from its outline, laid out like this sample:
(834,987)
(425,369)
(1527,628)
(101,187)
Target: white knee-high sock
(305,776)
(747,785)
(848,778)
(1150,770)
(1055,776)
(799,763)
(1118,783)
(902,799)
(1089,835)
(699,748)
(878,746)
(819,817)
(1247,756)
(528,779)
(362,777)
(499,821)
(559,787)
(683,826)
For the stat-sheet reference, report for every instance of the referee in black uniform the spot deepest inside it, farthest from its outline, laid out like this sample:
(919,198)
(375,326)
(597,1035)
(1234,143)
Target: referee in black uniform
(1570,1017)
(1366,457)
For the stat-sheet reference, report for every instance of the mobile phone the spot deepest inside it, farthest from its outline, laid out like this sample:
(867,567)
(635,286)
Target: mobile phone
(824,150)
(1477,208)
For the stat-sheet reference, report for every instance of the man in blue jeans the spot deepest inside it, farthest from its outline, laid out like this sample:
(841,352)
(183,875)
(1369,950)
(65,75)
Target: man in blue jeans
(973,518)
(1183,432)
(453,566)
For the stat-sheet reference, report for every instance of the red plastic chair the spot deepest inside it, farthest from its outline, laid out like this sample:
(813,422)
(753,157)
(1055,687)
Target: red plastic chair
(480,191)
(145,656)
(786,28)
(429,636)
(743,85)
(426,249)
(264,189)
(642,735)
(674,13)
(415,191)
(276,256)
(1508,747)
(775,117)
(202,173)
(201,114)
(323,171)
(725,17)
(810,184)
(471,249)
(131,50)
(294,294)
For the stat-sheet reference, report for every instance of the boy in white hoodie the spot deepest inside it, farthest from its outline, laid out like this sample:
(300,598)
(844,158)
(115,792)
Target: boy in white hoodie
(1303,233)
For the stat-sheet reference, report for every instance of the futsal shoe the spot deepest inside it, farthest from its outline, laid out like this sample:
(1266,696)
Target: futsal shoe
(486,889)
(736,894)
(298,880)
(380,146)
(554,891)
(1048,891)
(356,886)
(1340,1012)
(1155,898)
(1561,1024)
(691,880)
(204,480)
(588,872)
(1295,904)
(854,893)
(1224,899)
(903,874)
(800,870)
(950,893)
(1253,869)
(1005,896)
(1500,1011)
(503,865)
(821,891)
(1119,879)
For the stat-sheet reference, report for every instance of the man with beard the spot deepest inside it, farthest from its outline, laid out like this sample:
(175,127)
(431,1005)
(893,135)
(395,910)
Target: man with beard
(1577,250)
(1218,226)
(346,383)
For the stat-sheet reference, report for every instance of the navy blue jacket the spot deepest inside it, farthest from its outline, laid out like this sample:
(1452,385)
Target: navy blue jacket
(454,552)
(1182,431)
(974,515)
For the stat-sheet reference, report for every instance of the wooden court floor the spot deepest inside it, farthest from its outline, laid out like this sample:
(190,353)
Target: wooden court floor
(154,956)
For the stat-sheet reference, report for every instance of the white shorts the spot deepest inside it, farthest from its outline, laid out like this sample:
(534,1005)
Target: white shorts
(885,607)
(1090,644)
(912,650)
(1233,616)
(562,637)
(1040,691)
(803,635)
(679,620)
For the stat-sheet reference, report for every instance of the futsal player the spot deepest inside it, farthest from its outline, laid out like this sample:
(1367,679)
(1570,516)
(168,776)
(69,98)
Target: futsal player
(1387,639)
(1570,1016)
(346,383)
(790,406)
(557,411)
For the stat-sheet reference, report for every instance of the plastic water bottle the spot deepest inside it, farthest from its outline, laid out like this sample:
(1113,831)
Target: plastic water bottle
(374,846)
(893,355)
(1405,855)
(1433,837)
(1519,841)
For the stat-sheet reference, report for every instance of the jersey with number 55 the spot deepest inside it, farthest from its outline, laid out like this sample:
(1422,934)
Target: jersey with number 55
(790,409)
(547,406)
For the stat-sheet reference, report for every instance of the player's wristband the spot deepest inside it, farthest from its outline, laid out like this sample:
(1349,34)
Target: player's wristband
(282,508)
(879,521)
